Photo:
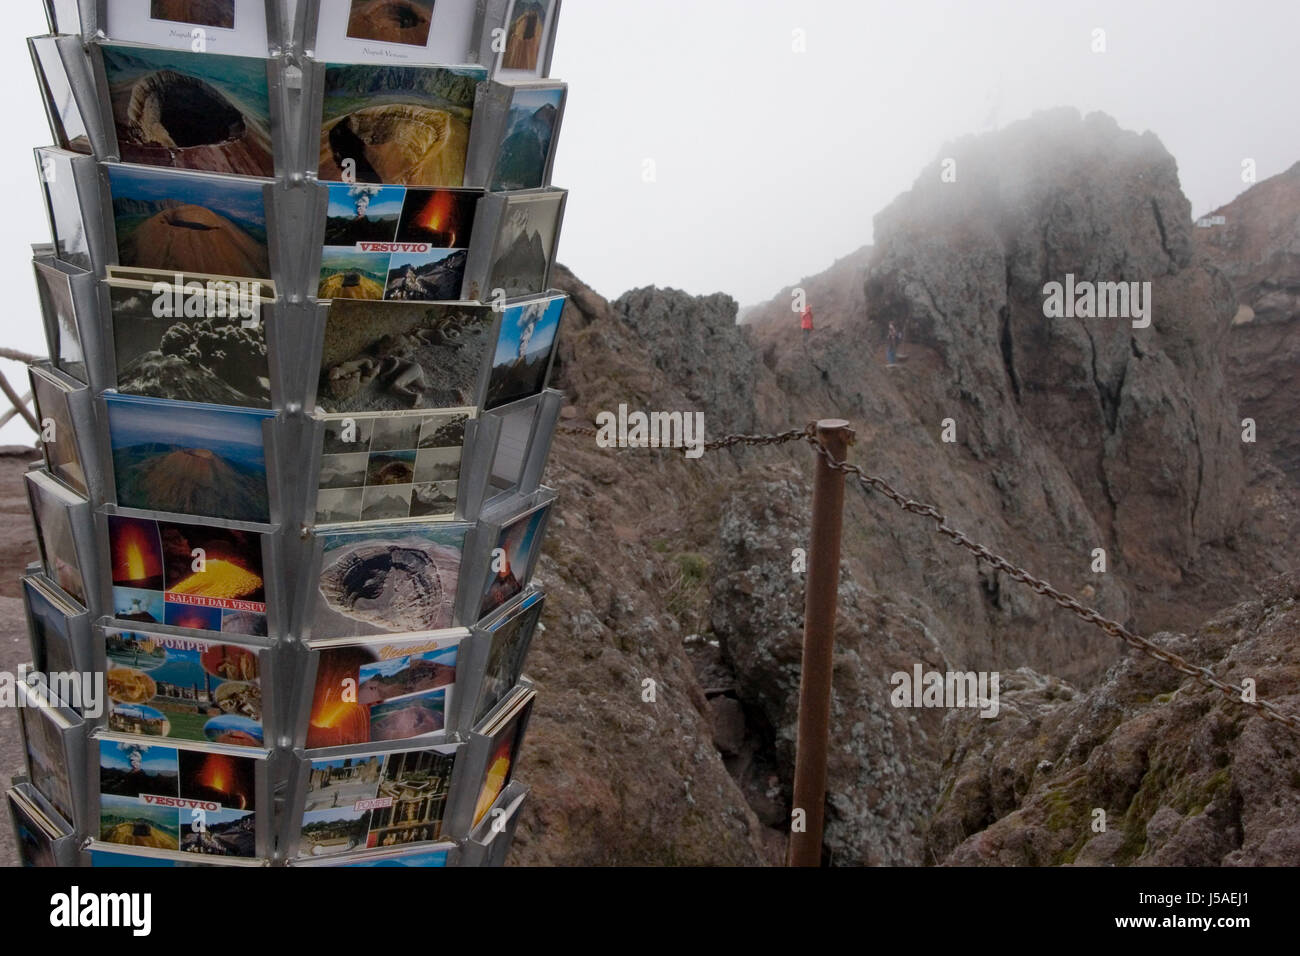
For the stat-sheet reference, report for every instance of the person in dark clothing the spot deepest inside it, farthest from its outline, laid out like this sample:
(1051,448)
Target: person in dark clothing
(891,344)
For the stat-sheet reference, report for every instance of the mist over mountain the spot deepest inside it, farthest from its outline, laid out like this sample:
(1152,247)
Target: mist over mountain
(1070,435)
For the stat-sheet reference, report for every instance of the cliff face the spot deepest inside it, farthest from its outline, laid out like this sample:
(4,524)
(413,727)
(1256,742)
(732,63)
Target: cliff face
(1071,434)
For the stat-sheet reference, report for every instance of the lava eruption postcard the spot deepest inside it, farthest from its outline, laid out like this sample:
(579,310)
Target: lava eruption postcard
(511,634)
(163,685)
(189,222)
(215,359)
(53,508)
(188,458)
(401,125)
(390,356)
(52,395)
(367,801)
(388,466)
(190,110)
(187,575)
(179,799)
(515,553)
(381,689)
(507,734)
(525,350)
(395,242)
(387,579)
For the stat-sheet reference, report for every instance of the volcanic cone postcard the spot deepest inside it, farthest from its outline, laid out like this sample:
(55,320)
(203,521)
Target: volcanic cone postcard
(189,222)
(389,356)
(524,349)
(190,110)
(187,575)
(160,685)
(511,637)
(52,506)
(402,125)
(382,689)
(512,559)
(58,437)
(190,459)
(217,360)
(524,157)
(388,579)
(395,242)
(385,466)
(376,800)
(170,798)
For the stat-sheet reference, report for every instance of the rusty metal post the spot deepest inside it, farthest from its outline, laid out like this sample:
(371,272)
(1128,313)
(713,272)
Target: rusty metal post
(820,597)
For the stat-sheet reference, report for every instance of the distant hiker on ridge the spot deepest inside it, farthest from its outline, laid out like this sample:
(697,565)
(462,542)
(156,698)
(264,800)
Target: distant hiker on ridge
(805,323)
(892,338)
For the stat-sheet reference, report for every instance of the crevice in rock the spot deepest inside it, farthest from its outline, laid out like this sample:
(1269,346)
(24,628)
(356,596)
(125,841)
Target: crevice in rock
(1160,224)
(1008,353)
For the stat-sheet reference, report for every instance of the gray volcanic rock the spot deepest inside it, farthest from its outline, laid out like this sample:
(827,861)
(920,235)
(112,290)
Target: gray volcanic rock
(883,770)
(696,342)
(1185,777)
(1140,418)
(1258,249)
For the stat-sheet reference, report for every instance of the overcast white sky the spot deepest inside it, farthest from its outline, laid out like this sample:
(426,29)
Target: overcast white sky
(769,163)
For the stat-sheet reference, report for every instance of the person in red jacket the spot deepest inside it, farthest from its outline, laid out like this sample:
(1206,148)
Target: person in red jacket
(805,322)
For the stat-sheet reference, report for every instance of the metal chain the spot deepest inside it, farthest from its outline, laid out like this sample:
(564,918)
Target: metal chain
(1202,675)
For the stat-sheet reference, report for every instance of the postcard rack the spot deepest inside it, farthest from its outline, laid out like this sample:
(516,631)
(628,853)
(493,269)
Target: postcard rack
(294,422)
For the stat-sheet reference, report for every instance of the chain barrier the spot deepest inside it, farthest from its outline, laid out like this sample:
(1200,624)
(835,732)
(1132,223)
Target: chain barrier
(1202,675)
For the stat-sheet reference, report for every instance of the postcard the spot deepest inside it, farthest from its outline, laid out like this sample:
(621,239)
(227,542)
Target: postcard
(169,798)
(526,151)
(382,689)
(525,346)
(52,506)
(403,125)
(512,635)
(376,800)
(58,436)
(529,25)
(219,360)
(34,832)
(396,242)
(50,618)
(189,222)
(263,288)
(160,685)
(54,287)
(47,754)
(513,557)
(388,579)
(222,26)
(395,31)
(187,575)
(190,110)
(522,257)
(389,356)
(504,754)
(188,458)
(386,466)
